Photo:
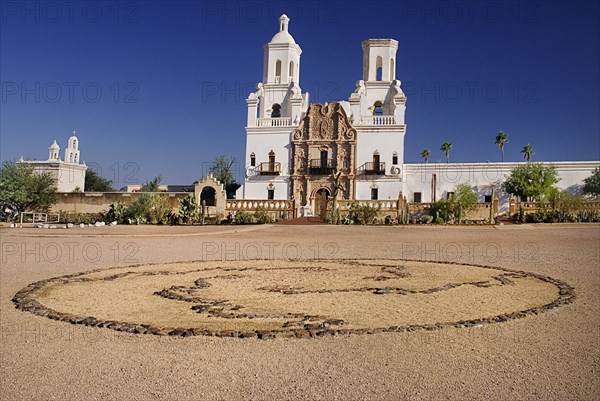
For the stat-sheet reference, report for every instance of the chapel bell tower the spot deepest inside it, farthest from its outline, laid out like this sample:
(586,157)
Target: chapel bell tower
(279,94)
(379,59)
(72,150)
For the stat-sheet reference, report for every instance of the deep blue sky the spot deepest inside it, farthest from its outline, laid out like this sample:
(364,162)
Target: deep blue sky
(173,76)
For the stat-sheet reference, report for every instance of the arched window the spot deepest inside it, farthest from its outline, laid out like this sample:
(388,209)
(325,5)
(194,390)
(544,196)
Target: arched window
(278,71)
(275,110)
(252,159)
(291,74)
(378,66)
(392,70)
(395,158)
(378,108)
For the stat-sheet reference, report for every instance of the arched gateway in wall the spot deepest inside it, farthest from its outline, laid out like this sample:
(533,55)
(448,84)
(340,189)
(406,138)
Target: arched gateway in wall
(323,157)
(211,191)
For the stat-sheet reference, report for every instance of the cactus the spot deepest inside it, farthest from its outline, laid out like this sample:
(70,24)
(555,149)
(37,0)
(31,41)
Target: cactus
(403,216)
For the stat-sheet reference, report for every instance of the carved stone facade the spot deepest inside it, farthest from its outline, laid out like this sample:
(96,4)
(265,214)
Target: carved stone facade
(323,155)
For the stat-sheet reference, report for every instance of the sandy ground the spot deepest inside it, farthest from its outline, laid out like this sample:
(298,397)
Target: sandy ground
(552,356)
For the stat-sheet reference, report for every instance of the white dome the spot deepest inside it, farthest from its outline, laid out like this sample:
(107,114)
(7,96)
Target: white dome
(54,145)
(283,37)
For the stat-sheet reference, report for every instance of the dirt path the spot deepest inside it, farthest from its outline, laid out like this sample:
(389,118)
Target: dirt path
(551,356)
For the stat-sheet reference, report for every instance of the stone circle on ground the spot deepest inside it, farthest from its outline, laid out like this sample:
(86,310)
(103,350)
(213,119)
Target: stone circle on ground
(293,299)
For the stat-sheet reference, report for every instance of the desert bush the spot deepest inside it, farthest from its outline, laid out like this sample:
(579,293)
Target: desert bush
(159,210)
(78,218)
(189,211)
(242,217)
(117,212)
(441,209)
(363,214)
(262,217)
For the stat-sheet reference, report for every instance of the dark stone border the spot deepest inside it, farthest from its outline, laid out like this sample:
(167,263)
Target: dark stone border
(25,300)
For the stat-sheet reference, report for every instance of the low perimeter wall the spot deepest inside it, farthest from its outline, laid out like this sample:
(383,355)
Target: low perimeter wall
(96,202)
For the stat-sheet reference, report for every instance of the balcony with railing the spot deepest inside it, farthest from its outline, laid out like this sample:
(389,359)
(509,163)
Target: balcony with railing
(371,168)
(269,168)
(321,166)
(377,120)
(274,122)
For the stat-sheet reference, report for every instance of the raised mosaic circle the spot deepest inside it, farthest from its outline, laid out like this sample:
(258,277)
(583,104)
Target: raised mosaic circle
(284,298)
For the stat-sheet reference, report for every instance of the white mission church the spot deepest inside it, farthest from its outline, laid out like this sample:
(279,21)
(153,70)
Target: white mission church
(306,152)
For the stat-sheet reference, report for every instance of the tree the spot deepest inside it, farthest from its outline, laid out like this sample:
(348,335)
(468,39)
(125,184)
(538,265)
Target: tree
(531,181)
(25,190)
(152,186)
(446,148)
(96,183)
(425,155)
(527,152)
(222,170)
(501,140)
(591,185)
(463,199)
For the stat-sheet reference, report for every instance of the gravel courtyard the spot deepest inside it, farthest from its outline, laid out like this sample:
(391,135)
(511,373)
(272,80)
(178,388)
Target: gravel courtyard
(552,356)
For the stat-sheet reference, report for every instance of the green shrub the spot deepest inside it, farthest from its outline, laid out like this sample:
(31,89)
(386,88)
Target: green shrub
(441,209)
(363,214)
(137,213)
(117,212)
(262,217)
(159,211)
(189,211)
(242,217)
(426,219)
(78,218)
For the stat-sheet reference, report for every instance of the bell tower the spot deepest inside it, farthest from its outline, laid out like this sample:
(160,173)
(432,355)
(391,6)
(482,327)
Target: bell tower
(282,57)
(279,93)
(72,150)
(379,59)
(274,110)
(53,151)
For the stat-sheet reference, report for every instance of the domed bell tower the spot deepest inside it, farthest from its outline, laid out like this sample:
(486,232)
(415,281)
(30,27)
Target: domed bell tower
(72,150)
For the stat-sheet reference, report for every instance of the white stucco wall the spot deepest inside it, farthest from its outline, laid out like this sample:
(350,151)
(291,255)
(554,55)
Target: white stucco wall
(261,141)
(388,188)
(386,142)
(68,177)
(481,176)
(258,188)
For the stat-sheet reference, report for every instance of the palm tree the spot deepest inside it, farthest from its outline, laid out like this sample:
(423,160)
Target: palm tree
(501,140)
(527,152)
(446,148)
(425,155)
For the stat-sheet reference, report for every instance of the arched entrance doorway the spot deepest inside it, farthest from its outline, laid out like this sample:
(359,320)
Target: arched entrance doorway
(208,194)
(321,200)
